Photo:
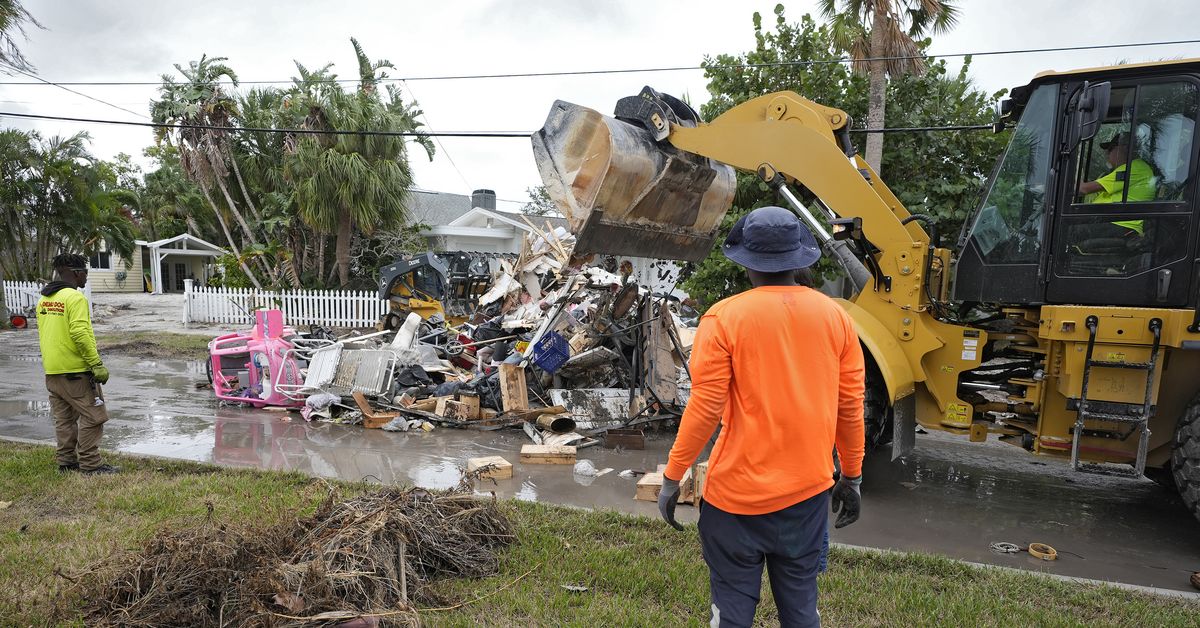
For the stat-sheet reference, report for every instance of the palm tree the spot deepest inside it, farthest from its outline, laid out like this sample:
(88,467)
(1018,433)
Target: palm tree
(204,153)
(347,182)
(13,18)
(881,38)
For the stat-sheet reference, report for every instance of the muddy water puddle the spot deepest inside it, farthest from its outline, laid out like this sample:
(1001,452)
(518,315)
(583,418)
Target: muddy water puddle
(950,497)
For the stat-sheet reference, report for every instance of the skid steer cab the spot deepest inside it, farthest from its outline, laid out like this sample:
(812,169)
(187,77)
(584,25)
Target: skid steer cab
(1065,321)
(437,286)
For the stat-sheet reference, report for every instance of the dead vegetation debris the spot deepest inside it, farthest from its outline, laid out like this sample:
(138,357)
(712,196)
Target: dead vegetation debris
(367,558)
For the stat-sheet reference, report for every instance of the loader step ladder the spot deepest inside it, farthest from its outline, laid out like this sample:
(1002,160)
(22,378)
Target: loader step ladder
(1137,417)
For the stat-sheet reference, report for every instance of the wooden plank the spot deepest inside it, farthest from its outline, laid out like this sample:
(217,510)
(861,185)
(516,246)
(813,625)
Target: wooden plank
(701,474)
(627,438)
(533,413)
(514,395)
(687,488)
(648,487)
(458,411)
(372,419)
(658,357)
(494,467)
(472,404)
(547,454)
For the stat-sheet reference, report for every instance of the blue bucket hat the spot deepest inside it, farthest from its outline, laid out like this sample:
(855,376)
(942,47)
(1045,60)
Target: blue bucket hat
(771,240)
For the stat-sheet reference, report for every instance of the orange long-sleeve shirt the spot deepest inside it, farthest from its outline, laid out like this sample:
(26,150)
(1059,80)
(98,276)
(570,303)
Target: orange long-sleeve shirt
(781,368)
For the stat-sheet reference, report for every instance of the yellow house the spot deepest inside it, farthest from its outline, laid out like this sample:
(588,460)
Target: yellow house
(157,267)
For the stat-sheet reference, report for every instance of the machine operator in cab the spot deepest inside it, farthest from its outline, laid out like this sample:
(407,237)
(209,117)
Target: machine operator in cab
(1110,188)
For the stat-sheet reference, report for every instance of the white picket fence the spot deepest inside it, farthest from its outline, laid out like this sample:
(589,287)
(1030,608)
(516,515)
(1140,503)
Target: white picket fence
(235,306)
(22,296)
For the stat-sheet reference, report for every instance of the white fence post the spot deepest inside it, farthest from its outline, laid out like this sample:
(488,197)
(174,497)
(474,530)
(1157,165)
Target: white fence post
(187,300)
(235,306)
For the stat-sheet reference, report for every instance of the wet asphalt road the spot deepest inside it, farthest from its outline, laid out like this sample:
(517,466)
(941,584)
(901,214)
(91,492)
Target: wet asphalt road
(949,497)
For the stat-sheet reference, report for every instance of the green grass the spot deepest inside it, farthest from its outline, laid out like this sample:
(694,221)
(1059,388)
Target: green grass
(638,572)
(155,344)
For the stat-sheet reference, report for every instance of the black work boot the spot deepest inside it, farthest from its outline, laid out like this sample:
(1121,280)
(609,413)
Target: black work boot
(65,468)
(104,469)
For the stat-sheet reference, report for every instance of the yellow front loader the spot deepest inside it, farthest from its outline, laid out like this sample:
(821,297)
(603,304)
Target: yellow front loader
(1064,321)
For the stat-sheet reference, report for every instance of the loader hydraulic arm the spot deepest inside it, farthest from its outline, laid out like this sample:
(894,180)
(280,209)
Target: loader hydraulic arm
(799,139)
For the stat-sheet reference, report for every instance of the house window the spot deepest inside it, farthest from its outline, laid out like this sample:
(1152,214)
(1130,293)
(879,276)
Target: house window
(102,260)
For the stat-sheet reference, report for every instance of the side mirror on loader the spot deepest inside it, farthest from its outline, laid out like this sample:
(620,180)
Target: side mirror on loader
(1087,113)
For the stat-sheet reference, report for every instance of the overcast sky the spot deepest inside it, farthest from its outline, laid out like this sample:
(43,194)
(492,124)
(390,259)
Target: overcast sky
(129,40)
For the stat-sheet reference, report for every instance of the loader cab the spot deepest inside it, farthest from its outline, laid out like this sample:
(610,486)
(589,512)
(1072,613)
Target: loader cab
(1036,239)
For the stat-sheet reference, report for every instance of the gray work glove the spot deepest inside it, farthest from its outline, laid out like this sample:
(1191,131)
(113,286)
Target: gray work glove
(846,500)
(668,497)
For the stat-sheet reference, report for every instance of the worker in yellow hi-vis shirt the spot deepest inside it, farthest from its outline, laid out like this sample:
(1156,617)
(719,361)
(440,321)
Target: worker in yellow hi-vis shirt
(1136,175)
(74,371)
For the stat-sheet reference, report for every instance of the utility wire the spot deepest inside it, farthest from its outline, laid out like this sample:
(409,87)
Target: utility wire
(77,93)
(678,68)
(437,140)
(33,116)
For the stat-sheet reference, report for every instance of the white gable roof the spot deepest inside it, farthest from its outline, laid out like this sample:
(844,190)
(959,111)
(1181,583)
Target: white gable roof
(189,241)
(478,217)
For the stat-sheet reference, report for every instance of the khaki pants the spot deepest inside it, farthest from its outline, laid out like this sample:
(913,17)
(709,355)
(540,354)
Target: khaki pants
(78,424)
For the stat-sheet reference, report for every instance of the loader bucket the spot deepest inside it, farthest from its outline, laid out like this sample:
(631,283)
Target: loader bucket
(623,193)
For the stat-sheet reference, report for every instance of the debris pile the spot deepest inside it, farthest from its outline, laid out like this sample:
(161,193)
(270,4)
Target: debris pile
(562,348)
(372,555)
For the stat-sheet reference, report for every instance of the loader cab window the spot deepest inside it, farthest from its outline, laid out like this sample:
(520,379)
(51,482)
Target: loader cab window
(1135,168)
(1008,228)
(1128,209)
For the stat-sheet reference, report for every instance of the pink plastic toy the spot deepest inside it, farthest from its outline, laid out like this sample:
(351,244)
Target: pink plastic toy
(246,366)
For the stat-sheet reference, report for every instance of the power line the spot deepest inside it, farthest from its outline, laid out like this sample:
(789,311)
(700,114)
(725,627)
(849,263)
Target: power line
(507,134)
(32,116)
(437,140)
(678,68)
(77,93)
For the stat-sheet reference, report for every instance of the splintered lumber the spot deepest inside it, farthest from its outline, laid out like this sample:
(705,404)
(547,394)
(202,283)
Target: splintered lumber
(648,487)
(514,395)
(372,419)
(547,454)
(494,467)
(534,413)
(426,405)
(701,473)
(657,357)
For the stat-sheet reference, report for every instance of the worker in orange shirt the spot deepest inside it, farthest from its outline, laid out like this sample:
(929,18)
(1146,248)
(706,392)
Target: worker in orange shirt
(781,369)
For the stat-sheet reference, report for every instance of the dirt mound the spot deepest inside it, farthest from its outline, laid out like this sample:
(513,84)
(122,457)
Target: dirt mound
(370,556)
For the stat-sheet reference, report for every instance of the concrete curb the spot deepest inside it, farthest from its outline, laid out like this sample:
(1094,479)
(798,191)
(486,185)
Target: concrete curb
(1137,588)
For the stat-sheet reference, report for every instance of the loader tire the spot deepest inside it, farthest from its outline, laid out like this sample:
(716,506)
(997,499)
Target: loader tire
(1185,457)
(877,414)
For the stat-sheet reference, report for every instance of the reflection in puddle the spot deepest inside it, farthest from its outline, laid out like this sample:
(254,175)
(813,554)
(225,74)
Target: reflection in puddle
(527,492)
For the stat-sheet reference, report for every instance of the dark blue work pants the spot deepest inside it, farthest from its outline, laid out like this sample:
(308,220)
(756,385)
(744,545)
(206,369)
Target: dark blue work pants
(788,541)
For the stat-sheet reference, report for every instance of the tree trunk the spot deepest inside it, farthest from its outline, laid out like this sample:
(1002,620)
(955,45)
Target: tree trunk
(877,96)
(3,304)
(320,257)
(193,228)
(266,268)
(229,237)
(342,248)
(237,215)
(237,173)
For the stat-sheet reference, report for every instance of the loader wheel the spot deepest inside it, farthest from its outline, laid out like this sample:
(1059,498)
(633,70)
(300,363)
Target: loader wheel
(877,415)
(1185,457)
